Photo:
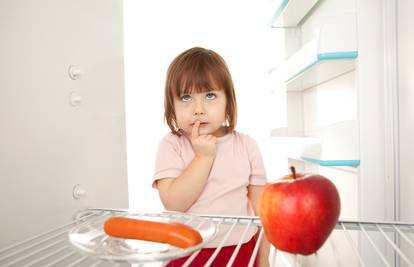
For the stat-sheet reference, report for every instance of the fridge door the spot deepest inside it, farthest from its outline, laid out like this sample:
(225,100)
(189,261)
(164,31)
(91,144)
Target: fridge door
(62,137)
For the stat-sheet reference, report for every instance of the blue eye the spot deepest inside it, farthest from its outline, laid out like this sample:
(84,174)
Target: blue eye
(185,98)
(211,96)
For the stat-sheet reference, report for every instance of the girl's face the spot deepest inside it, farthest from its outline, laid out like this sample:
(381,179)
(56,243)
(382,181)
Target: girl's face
(207,107)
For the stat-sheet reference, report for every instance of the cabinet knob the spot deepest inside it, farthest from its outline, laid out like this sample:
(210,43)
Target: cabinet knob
(75,99)
(78,192)
(74,72)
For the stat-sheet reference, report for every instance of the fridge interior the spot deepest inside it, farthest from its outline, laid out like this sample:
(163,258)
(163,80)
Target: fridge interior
(341,249)
(345,79)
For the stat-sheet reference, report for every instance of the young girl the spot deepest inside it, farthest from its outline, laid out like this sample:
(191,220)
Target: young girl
(204,166)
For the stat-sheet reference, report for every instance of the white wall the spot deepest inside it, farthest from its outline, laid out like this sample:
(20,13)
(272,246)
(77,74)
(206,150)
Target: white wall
(157,31)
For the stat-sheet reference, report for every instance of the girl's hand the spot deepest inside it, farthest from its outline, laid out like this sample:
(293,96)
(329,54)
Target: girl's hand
(203,145)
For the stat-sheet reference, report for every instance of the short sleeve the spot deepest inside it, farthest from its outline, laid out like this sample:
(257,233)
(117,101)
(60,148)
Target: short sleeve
(257,168)
(168,162)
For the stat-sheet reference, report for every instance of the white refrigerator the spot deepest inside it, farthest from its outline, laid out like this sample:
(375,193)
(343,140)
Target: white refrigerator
(346,81)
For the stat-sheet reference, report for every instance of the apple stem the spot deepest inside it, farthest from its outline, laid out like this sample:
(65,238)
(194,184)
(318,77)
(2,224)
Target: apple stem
(293,170)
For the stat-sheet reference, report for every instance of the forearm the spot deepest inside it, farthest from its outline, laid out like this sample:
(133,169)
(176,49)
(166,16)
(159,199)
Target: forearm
(264,246)
(184,190)
(263,253)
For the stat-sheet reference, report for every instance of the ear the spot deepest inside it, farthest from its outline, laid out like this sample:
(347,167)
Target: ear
(226,122)
(176,128)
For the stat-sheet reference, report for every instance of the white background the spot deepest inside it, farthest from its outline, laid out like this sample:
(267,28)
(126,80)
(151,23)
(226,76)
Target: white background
(157,31)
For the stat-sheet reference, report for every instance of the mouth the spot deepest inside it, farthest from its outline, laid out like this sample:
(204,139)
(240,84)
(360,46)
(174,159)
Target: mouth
(201,124)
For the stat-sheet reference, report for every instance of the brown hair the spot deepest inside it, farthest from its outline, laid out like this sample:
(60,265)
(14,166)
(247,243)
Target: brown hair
(199,70)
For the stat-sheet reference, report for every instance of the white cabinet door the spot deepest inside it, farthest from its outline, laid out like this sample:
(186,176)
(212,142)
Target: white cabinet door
(57,131)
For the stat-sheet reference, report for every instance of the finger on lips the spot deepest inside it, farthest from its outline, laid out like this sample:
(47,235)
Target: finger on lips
(194,131)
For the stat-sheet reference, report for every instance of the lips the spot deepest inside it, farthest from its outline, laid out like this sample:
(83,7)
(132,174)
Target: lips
(201,123)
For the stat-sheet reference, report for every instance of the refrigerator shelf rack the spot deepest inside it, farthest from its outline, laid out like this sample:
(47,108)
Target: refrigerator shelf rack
(387,243)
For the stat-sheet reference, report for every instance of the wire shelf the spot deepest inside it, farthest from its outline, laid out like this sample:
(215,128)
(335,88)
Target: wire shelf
(352,243)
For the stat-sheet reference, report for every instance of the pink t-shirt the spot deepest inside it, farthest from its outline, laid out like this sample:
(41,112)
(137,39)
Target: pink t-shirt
(238,163)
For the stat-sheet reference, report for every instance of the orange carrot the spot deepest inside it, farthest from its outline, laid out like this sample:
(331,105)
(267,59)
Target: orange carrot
(176,234)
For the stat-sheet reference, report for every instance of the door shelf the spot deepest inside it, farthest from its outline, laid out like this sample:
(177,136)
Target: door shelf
(337,145)
(309,67)
(322,68)
(290,13)
(331,53)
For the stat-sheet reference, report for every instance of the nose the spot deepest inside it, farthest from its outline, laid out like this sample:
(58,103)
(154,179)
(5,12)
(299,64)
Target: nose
(198,108)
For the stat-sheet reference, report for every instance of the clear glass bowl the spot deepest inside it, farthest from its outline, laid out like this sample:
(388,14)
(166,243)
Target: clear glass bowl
(90,239)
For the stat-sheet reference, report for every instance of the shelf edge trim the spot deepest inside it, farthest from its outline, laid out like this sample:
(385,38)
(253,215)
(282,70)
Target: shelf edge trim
(278,12)
(338,55)
(331,163)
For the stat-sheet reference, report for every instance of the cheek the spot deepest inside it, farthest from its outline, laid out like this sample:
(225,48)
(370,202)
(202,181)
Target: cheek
(221,111)
(181,114)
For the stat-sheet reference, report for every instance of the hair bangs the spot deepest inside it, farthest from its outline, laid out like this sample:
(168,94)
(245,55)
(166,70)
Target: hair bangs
(199,78)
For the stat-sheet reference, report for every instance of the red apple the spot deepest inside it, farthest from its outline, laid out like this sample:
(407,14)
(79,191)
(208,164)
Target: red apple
(298,214)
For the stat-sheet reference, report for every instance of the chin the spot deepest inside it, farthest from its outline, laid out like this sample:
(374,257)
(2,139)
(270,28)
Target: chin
(205,132)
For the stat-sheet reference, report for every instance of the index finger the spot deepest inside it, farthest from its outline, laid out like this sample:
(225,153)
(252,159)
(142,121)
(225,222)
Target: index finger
(194,131)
